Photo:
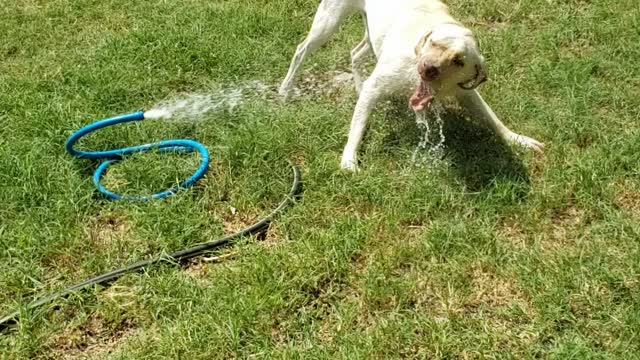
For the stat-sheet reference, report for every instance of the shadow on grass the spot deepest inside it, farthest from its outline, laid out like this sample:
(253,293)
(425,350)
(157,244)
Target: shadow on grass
(479,157)
(476,155)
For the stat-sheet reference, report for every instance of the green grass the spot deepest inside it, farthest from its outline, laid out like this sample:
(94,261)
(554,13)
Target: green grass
(490,253)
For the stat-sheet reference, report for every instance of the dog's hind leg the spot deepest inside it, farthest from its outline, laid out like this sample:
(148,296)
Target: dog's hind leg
(326,22)
(357,56)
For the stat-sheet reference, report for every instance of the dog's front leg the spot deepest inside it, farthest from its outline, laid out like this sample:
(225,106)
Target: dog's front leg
(369,96)
(476,105)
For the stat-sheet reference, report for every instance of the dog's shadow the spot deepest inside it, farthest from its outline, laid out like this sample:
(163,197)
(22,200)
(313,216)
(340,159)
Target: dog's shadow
(477,156)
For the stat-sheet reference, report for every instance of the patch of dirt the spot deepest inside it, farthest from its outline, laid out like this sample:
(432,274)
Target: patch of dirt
(197,269)
(566,219)
(235,220)
(628,199)
(511,230)
(9,52)
(569,217)
(325,332)
(318,312)
(584,304)
(64,261)
(493,291)
(103,231)
(94,337)
(488,291)
(576,48)
(273,237)
(108,228)
(493,300)
(564,229)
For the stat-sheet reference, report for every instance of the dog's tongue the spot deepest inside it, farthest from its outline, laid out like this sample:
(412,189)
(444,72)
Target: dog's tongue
(421,97)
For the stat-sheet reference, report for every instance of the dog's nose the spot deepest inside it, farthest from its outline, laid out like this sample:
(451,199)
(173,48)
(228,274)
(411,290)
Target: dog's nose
(431,72)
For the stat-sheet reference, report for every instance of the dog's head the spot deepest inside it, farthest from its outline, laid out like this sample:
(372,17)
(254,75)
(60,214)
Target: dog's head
(448,60)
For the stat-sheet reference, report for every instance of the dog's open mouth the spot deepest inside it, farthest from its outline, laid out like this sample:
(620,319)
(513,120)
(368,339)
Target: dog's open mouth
(422,97)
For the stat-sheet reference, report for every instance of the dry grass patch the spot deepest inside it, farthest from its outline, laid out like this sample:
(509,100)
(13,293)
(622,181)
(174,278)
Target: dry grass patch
(628,199)
(494,291)
(108,229)
(94,337)
(511,230)
(563,230)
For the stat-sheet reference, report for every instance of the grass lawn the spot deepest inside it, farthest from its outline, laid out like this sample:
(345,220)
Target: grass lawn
(492,252)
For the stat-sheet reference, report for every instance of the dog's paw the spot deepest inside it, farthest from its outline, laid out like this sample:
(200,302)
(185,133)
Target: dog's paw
(527,142)
(349,164)
(358,85)
(285,92)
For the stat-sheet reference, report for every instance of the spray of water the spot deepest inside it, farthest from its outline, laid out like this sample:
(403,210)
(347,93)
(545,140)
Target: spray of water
(428,148)
(217,99)
(193,106)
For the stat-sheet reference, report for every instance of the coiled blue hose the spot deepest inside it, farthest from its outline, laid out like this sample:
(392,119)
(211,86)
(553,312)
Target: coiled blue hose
(173,258)
(111,156)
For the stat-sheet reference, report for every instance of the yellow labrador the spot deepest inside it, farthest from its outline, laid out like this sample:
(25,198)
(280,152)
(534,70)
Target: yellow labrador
(421,51)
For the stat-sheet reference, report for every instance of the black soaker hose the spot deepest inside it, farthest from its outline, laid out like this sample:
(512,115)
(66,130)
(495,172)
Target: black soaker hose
(174,258)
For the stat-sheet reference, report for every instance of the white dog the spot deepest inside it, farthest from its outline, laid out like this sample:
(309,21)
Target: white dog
(421,51)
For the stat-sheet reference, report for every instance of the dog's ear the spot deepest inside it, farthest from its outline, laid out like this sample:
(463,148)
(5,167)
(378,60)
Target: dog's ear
(422,41)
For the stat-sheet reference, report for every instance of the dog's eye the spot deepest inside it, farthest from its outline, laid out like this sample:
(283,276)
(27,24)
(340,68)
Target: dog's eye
(458,61)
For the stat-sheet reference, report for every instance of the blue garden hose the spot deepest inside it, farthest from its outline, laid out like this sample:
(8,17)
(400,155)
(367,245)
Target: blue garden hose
(111,156)
(177,257)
